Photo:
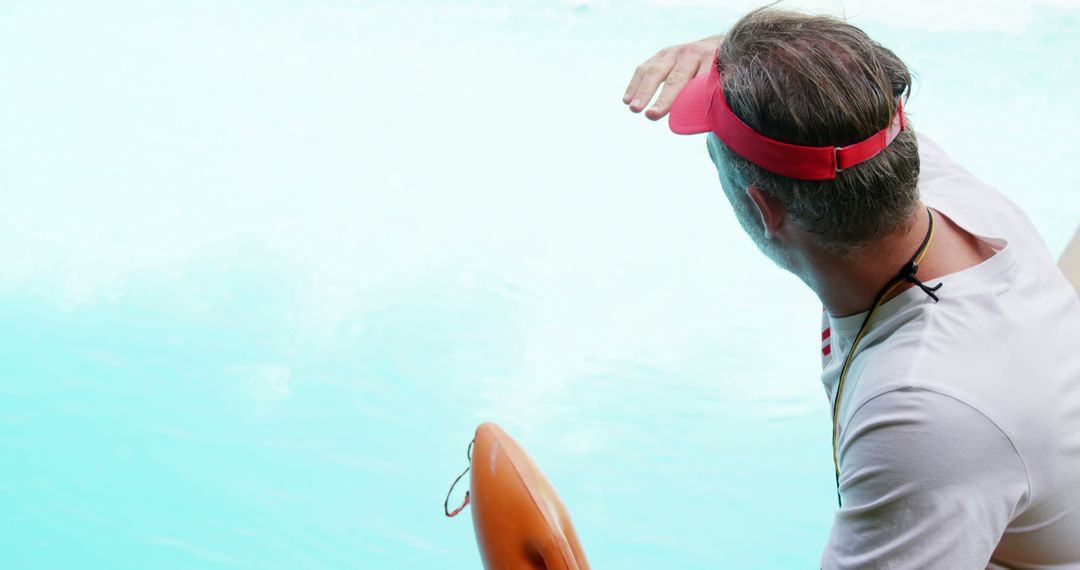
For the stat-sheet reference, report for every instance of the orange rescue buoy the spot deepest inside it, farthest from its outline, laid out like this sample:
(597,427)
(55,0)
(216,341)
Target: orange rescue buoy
(520,522)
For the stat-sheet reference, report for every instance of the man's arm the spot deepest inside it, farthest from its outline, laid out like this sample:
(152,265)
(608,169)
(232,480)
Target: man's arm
(927,481)
(1070,261)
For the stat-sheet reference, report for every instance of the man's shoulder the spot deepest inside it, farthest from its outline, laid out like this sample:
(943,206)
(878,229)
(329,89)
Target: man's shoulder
(926,480)
(918,428)
(946,186)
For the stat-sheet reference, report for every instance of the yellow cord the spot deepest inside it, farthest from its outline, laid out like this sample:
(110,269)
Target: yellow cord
(855,344)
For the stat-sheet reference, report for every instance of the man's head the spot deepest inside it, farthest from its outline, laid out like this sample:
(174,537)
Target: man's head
(816,81)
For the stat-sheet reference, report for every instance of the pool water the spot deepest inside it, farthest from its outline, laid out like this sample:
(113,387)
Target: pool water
(266,265)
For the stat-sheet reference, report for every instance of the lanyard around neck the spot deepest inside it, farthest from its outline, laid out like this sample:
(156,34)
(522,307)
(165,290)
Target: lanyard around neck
(906,275)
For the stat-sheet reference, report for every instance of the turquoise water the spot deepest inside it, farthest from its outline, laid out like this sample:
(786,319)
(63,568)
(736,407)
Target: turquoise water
(265,266)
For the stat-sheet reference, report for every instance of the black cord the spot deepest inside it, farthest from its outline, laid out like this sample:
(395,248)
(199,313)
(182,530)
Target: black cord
(446,503)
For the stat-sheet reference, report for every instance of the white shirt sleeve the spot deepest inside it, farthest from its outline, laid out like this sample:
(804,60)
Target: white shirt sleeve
(927,481)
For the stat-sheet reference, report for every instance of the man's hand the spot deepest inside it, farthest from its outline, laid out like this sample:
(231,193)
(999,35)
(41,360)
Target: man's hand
(674,66)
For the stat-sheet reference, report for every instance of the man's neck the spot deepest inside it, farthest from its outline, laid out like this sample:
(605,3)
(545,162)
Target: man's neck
(849,286)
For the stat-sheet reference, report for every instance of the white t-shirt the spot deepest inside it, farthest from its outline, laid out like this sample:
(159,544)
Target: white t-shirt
(959,438)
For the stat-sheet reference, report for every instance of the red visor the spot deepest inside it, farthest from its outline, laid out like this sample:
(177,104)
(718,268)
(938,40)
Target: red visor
(701,108)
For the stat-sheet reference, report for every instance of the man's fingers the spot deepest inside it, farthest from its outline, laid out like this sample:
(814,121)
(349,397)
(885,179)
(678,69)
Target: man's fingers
(674,67)
(632,87)
(705,67)
(652,73)
(685,70)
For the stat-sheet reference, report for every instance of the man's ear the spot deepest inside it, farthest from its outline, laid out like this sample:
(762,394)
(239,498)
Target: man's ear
(771,210)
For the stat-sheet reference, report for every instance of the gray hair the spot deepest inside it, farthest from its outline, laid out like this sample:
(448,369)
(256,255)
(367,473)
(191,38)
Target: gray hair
(820,81)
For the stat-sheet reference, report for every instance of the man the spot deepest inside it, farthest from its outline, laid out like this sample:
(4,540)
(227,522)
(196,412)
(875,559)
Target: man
(951,339)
